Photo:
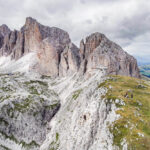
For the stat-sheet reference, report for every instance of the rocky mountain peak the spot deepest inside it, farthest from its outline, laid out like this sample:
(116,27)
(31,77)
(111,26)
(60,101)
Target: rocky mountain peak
(91,43)
(98,52)
(94,40)
(30,20)
(4,29)
(56,55)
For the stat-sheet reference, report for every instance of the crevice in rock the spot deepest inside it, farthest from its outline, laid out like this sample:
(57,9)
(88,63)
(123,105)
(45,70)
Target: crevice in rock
(130,69)
(15,37)
(59,59)
(23,44)
(85,66)
(66,59)
(1,41)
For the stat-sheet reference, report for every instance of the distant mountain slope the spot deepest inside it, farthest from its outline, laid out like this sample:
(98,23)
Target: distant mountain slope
(145,70)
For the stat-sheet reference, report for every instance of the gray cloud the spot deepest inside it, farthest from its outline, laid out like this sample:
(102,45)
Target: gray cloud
(98,1)
(124,22)
(135,26)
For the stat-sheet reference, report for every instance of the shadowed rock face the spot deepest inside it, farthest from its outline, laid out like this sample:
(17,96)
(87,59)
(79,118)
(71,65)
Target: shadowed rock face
(58,56)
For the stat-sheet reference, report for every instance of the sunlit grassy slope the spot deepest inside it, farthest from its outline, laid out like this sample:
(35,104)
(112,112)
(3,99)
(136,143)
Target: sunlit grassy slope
(134,108)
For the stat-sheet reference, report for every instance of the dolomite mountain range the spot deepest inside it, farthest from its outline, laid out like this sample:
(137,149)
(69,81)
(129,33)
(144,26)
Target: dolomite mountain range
(56,55)
(63,108)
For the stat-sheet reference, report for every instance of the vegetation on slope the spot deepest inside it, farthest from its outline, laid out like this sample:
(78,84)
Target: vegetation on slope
(133,101)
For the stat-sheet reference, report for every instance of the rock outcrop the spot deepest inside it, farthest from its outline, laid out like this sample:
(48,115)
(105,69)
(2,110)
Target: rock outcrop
(58,56)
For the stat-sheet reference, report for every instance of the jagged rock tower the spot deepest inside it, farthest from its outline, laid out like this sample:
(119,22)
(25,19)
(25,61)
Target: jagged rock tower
(58,56)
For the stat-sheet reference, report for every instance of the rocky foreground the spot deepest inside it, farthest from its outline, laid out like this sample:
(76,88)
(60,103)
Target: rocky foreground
(61,113)
(85,113)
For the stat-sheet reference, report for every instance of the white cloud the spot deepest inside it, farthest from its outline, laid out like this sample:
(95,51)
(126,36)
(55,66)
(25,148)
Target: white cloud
(122,21)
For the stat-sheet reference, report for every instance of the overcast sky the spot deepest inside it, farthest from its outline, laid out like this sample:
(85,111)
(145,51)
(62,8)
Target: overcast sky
(127,22)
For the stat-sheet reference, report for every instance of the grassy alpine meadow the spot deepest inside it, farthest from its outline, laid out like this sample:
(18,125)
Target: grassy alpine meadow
(132,97)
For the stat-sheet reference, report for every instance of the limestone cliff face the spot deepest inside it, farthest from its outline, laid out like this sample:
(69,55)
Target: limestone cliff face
(58,56)
(47,42)
(98,51)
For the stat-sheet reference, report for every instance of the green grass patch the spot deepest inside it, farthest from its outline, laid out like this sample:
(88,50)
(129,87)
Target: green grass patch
(134,123)
(54,144)
(57,136)
(22,106)
(36,81)
(76,94)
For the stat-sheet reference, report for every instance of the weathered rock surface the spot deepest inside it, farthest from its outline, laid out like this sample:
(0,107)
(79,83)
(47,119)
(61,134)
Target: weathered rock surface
(26,107)
(70,60)
(58,56)
(47,42)
(55,113)
(4,30)
(98,51)
(82,122)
